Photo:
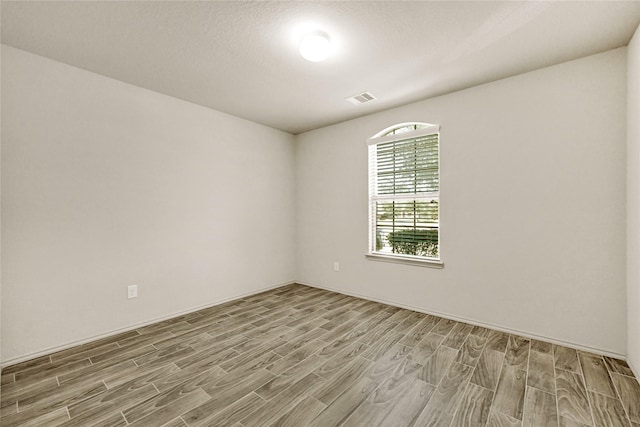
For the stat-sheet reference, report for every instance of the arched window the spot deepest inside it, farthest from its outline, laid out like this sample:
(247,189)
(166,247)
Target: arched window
(404,193)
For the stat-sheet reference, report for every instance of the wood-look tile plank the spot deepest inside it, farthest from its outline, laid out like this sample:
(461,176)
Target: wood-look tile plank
(618,366)
(445,399)
(167,411)
(474,407)
(344,405)
(380,347)
(165,355)
(388,362)
(296,357)
(92,370)
(114,420)
(250,357)
(409,322)
(307,323)
(497,341)
(283,402)
(338,331)
(225,391)
(629,392)
(607,411)
(51,418)
(232,413)
(137,384)
(265,342)
(40,413)
(444,326)
(31,365)
(57,397)
(301,414)
(11,408)
(293,344)
(471,350)
(381,402)
(346,315)
(275,316)
(176,422)
(541,374)
(112,374)
(517,353)
(480,331)
(509,398)
(210,344)
(401,315)
(102,406)
(7,379)
(406,411)
(17,391)
(457,336)
(206,359)
(216,335)
(268,332)
(337,384)
(487,371)
(415,335)
(59,368)
(141,376)
(540,409)
(541,347)
(566,358)
(572,399)
(365,326)
(379,332)
(435,367)
(289,377)
(596,375)
(83,353)
(338,361)
(569,422)
(165,326)
(195,375)
(167,405)
(497,419)
(425,348)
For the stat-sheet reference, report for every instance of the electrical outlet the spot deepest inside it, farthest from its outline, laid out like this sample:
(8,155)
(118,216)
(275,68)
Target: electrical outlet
(132,291)
(336,266)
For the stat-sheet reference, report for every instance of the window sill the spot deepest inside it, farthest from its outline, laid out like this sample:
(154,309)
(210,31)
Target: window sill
(399,259)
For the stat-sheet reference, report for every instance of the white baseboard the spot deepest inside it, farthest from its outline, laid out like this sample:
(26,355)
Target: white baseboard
(476,323)
(55,349)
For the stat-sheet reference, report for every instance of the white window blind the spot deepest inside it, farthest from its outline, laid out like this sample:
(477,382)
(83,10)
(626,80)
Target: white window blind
(404,192)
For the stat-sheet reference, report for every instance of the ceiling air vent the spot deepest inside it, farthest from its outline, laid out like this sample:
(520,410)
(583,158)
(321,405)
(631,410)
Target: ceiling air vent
(361,98)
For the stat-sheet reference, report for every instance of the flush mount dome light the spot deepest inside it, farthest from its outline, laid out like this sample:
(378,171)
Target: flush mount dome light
(315,47)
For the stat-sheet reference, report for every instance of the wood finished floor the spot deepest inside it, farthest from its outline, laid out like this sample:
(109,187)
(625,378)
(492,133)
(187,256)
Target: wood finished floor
(300,356)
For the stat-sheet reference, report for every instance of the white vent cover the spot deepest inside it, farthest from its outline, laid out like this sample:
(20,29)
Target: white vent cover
(361,98)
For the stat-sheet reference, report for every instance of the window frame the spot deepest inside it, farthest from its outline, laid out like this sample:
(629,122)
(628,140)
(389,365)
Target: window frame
(385,136)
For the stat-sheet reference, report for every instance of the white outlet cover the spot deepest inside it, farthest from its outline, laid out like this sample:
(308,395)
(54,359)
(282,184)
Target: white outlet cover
(132,291)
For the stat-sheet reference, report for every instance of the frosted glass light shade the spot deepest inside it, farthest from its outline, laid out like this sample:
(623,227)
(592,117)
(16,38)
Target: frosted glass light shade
(315,47)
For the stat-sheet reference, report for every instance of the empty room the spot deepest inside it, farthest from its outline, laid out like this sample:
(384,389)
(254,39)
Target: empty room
(348,213)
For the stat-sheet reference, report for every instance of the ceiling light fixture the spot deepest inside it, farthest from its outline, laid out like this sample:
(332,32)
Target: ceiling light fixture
(315,47)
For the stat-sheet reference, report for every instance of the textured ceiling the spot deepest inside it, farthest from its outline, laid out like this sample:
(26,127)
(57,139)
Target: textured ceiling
(242,58)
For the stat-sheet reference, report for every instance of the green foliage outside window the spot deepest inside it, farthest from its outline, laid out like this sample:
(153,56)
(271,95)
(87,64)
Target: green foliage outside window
(414,242)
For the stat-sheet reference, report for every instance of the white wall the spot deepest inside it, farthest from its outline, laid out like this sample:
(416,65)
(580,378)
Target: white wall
(532,205)
(105,184)
(633,201)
